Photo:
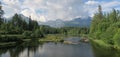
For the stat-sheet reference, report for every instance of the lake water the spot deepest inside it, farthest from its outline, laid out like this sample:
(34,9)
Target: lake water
(35,48)
(100,51)
(49,49)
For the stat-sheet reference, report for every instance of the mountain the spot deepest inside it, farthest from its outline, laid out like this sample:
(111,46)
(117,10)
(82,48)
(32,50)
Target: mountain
(77,22)
(24,18)
(21,15)
(55,23)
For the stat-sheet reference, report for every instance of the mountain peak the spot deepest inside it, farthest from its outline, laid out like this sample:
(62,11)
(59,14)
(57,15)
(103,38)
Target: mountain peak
(77,22)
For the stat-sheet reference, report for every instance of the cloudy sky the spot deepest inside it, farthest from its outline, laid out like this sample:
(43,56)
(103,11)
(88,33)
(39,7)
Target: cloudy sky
(44,10)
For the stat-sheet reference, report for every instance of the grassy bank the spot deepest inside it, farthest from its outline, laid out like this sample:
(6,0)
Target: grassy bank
(101,44)
(101,49)
(7,44)
(53,38)
(11,40)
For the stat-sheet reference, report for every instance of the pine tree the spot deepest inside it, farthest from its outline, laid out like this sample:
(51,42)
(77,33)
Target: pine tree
(30,23)
(1,14)
(100,14)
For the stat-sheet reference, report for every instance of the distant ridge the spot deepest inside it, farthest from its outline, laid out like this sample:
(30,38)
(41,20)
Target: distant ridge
(76,22)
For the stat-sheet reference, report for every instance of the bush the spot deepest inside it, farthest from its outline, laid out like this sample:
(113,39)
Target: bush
(37,34)
(117,38)
(0,35)
(27,33)
(6,38)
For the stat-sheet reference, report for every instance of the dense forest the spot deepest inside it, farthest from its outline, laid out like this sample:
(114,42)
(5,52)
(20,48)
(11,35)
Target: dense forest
(105,27)
(17,29)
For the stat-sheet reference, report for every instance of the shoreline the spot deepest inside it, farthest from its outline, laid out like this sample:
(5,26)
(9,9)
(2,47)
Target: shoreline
(104,45)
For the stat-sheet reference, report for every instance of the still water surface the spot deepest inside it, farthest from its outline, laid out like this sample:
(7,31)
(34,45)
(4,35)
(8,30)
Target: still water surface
(50,49)
(35,48)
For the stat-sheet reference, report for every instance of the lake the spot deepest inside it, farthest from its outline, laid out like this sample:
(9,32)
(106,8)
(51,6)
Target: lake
(51,49)
(101,51)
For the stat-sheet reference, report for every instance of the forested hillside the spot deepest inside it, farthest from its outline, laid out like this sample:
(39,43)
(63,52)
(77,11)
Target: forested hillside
(19,28)
(106,27)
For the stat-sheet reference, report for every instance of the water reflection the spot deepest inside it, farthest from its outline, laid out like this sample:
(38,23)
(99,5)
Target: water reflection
(105,51)
(37,49)
(20,49)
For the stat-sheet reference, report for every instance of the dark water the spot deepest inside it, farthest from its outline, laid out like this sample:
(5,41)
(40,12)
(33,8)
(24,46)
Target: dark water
(101,51)
(50,49)
(36,49)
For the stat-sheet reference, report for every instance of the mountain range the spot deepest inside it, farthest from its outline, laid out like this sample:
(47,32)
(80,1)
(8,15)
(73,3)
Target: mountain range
(76,22)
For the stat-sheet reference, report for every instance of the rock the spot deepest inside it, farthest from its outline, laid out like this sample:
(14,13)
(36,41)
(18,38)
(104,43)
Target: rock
(84,40)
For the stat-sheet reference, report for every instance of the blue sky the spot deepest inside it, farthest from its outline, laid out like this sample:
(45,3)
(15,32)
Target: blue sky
(45,10)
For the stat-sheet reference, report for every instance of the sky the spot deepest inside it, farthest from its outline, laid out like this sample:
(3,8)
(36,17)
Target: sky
(45,10)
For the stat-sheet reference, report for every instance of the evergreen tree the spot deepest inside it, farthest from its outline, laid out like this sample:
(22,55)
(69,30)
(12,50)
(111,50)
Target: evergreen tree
(100,14)
(32,24)
(1,14)
(106,27)
(98,17)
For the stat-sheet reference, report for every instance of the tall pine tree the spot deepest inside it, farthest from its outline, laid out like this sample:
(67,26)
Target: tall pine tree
(1,14)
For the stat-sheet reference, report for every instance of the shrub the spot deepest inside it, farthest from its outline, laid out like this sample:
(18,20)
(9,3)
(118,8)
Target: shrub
(27,33)
(6,38)
(117,38)
(37,34)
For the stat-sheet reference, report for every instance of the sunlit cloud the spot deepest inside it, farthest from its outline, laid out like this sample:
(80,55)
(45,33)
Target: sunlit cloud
(45,10)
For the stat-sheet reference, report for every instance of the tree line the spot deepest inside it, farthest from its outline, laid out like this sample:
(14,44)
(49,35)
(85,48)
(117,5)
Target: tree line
(106,26)
(18,28)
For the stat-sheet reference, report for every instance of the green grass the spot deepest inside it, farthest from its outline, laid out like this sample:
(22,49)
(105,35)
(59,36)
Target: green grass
(53,38)
(4,43)
(102,43)
(7,44)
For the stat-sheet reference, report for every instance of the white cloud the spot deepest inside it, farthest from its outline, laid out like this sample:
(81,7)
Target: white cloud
(11,7)
(42,18)
(106,6)
(44,10)
(53,9)
(111,4)
(91,2)
(26,12)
